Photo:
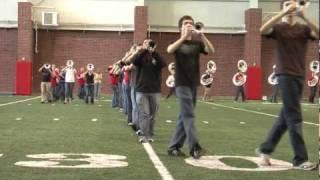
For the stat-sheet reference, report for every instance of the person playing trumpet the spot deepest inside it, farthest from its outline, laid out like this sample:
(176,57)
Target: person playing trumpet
(46,73)
(291,40)
(187,52)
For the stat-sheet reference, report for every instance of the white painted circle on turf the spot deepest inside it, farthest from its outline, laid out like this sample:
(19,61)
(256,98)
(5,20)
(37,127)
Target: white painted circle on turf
(214,162)
(53,104)
(168,121)
(56,119)
(169,107)
(76,105)
(205,122)
(94,120)
(242,122)
(92,161)
(29,104)
(18,118)
(99,105)
(1,155)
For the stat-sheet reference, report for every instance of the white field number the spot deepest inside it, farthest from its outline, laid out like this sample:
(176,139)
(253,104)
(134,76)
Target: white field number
(82,160)
(214,162)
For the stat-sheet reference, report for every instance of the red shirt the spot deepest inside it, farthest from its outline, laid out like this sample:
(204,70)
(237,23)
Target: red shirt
(81,80)
(113,79)
(53,79)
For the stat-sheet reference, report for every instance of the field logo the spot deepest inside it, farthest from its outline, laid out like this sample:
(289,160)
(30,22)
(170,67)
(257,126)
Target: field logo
(214,162)
(72,160)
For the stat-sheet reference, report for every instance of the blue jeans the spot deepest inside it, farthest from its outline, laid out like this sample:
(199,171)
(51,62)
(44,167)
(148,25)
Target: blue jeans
(148,106)
(97,90)
(128,107)
(115,96)
(290,119)
(135,119)
(69,90)
(185,128)
(89,93)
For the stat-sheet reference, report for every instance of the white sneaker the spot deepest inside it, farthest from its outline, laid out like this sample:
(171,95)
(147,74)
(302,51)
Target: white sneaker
(142,139)
(265,158)
(307,166)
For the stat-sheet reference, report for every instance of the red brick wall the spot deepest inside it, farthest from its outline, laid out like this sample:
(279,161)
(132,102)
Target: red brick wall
(267,61)
(8,55)
(99,48)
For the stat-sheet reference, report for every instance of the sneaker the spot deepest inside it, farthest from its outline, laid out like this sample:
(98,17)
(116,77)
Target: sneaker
(142,139)
(176,152)
(138,132)
(197,153)
(130,124)
(307,166)
(265,158)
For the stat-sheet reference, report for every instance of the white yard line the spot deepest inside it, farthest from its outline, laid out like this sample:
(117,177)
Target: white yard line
(255,112)
(163,171)
(15,102)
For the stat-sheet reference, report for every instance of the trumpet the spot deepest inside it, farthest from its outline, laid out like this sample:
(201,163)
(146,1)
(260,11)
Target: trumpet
(211,66)
(170,81)
(242,66)
(172,68)
(47,66)
(314,66)
(198,26)
(70,63)
(272,79)
(206,78)
(90,67)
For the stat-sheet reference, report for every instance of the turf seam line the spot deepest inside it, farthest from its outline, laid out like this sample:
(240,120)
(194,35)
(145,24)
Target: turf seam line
(255,112)
(163,171)
(15,102)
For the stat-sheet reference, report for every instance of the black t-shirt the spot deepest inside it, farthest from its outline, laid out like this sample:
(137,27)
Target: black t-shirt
(291,47)
(187,63)
(148,72)
(90,78)
(46,75)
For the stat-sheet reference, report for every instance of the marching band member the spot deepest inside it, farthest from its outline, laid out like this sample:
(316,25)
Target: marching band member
(239,80)
(89,79)
(187,53)
(148,81)
(81,84)
(313,80)
(69,81)
(207,79)
(98,84)
(291,41)
(273,80)
(46,95)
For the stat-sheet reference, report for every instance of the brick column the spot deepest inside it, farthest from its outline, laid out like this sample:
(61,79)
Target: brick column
(24,49)
(140,23)
(25,31)
(252,50)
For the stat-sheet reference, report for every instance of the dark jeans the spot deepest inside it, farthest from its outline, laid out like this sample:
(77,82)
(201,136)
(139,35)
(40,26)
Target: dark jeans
(89,93)
(115,96)
(81,92)
(240,90)
(69,90)
(313,91)
(275,91)
(290,118)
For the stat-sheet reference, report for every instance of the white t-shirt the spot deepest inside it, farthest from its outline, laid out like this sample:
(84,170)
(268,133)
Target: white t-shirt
(70,75)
